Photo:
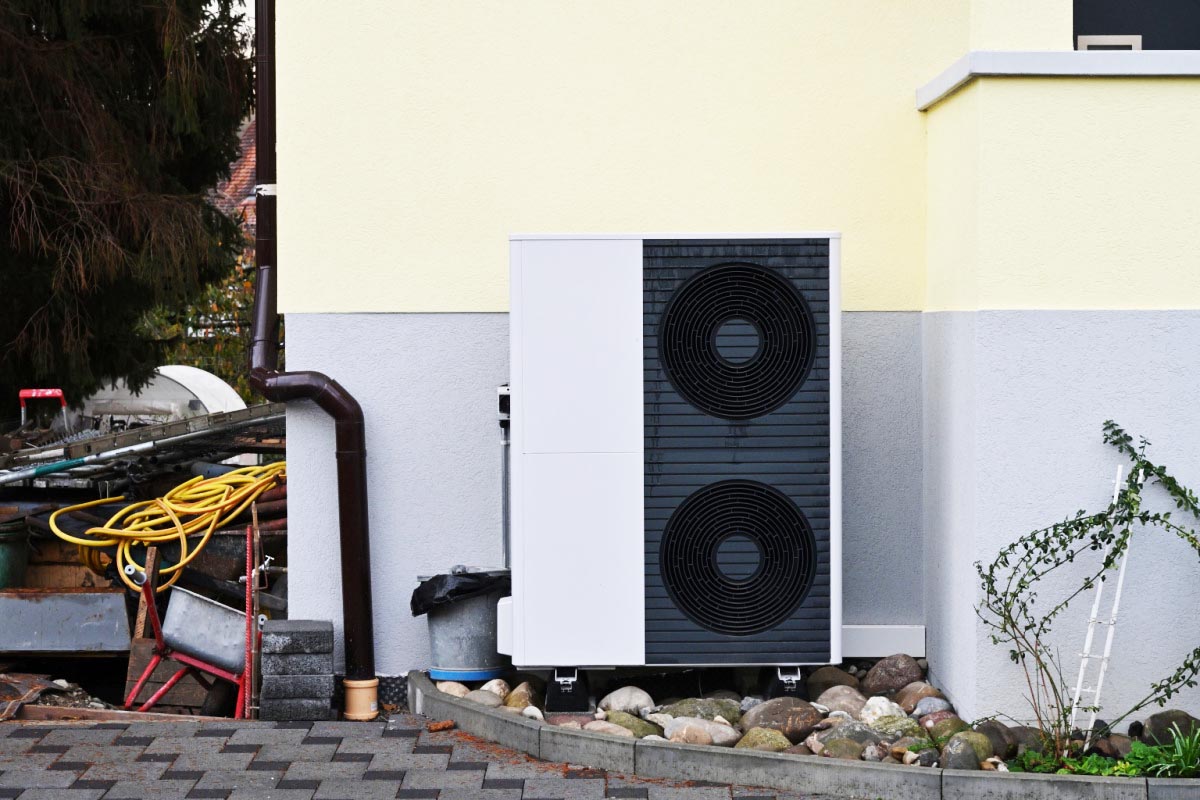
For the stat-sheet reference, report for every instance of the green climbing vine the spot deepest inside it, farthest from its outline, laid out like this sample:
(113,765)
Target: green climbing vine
(1010,584)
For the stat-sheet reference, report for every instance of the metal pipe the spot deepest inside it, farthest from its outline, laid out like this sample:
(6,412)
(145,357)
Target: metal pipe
(349,427)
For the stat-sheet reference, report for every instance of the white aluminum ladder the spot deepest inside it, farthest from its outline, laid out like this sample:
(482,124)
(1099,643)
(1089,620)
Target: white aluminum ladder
(1086,657)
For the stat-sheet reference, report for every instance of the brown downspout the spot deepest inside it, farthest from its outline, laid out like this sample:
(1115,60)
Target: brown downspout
(361,683)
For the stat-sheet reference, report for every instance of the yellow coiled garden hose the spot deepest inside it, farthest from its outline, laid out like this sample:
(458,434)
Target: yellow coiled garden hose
(199,506)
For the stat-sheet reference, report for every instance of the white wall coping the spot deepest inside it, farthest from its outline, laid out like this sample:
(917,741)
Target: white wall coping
(1053,63)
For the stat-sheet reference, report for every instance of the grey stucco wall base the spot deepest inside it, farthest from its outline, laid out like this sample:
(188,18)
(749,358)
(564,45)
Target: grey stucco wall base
(427,384)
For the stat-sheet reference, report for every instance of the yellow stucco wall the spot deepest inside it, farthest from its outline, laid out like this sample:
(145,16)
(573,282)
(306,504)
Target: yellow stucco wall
(415,136)
(1021,25)
(1081,195)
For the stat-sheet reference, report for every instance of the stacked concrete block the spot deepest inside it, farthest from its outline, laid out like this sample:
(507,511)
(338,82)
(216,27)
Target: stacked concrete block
(297,671)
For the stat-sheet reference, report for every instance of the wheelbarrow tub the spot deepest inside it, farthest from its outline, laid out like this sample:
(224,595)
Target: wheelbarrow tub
(205,629)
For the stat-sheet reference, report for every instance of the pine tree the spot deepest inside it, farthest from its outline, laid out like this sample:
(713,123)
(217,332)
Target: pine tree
(118,118)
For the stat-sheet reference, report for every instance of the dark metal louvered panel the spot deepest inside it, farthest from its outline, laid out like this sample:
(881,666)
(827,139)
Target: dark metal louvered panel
(739,396)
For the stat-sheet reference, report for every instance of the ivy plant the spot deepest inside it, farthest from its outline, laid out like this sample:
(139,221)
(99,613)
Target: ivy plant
(1022,621)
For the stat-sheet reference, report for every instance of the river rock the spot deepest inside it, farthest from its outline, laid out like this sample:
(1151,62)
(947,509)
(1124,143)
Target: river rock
(489,699)
(981,743)
(891,674)
(959,754)
(570,724)
(879,707)
(453,688)
(1028,739)
(767,739)
(905,744)
(929,757)
(849,730)
(690,734)
(653,738)
(892,728)
(929,720)
(945,728)
(1160,728)
(792,717)
(629,699)
(705,708)
(520,697)
(749,702)
(635,725)
(846,749)
(660,720)
(824,678)
(798,750)
(1004,744)
(611,728)
(497,686)
(874,752)
(532,712)
(908,697)
(721,735)
(560,717)
(931,705)
(843,698)
(724,694)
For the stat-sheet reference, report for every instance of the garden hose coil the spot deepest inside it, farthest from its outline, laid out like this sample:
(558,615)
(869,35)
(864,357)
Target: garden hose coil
(199,506)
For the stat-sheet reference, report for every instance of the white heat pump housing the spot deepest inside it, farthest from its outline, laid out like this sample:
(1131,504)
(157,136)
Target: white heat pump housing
(675,450)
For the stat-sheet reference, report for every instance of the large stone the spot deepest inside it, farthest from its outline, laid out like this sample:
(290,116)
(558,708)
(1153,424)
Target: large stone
(721,735)
(842,698)
(453,688)
(846,749)
(1160,728)
(908,697)
(892,728)
(724,694)
(768,739)
(906,744)
(604,726)
(690,734)
(629,699)
(794,718)
(521,696)
(705,708)
(931,705)
(1028,739)
(891,674)
(849,730)
(824,678)
(929,720)
(1004,744)
(489,699)
(879,707)
(635,725)
(959,754)
(928,757)
(981,743)
(944,729)
(498,687)
(798,750)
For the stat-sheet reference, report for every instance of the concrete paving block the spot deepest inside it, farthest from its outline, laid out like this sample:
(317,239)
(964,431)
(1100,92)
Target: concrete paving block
(1173,788)
(817,775)
(587,749)
(296,709)
(972,785)
(297,636)
(297,664)
(311,687)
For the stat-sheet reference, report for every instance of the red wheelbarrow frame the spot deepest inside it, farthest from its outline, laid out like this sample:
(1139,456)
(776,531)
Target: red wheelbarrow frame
(191,664)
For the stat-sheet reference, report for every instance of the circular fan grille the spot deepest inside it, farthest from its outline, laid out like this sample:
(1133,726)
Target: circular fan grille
(774,353)
(696,542)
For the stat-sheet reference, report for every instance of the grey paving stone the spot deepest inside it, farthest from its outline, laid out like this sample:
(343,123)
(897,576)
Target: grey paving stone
(163,730)
(348,730)
(564,788)
(321,771)
(408,761)
(441,779)
(203,762)
(81,736)
(532,769)
(188,745)
(125,771)
(36,779)
(479,794)
(297,636)
(149,790)
(269,736)
(61,794)
(271,794)
(342,789)
(691,793)
(297,752)
(238,779)
(28,761)
(374,746)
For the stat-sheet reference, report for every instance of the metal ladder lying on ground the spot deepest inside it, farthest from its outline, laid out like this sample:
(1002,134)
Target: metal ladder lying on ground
(1086,657)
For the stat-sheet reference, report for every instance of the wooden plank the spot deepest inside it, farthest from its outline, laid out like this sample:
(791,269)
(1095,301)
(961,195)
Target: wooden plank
(139,627)
(58,576)
(188,693)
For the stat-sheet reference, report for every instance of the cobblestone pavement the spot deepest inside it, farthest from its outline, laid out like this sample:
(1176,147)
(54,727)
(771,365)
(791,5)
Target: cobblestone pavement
(302,761)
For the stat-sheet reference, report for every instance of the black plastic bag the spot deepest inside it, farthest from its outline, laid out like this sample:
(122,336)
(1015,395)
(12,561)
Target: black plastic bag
(441,590)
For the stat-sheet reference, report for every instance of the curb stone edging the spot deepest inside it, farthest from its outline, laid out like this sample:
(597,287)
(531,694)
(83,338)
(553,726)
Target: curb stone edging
(774,770)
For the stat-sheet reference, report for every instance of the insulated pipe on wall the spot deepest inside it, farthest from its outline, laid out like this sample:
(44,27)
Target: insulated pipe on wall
(358,627)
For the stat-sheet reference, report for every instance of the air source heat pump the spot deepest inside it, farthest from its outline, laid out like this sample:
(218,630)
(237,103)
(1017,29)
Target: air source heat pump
(676,450)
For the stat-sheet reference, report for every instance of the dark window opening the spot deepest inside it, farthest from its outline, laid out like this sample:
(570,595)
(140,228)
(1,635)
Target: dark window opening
(1161,24)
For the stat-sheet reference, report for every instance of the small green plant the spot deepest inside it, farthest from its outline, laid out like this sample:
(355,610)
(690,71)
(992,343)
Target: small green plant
(1021,620)
(1179,759)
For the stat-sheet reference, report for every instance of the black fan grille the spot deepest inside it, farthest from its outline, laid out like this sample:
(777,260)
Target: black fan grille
(703,587)
(783,337)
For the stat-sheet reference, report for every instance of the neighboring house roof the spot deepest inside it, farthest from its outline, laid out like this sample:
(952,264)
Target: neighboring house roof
(235,196)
